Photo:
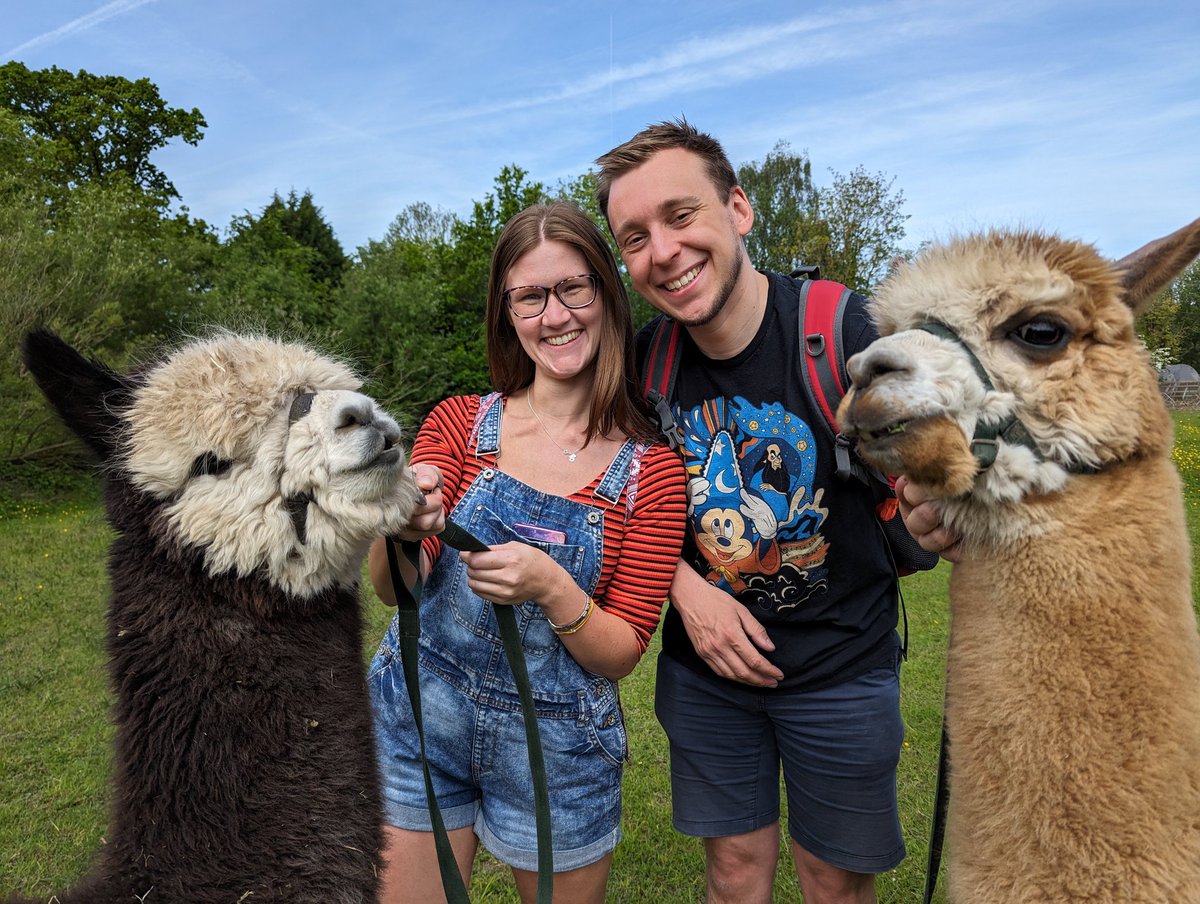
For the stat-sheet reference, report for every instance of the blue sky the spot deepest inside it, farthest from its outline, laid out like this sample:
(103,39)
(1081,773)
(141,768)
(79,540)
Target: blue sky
(1077,117)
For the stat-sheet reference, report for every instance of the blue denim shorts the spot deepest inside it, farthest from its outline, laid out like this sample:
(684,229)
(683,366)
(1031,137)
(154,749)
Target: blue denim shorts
(479,763)
(839,747)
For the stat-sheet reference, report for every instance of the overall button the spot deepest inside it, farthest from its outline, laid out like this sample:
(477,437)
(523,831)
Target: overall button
(488,473)
(593,517)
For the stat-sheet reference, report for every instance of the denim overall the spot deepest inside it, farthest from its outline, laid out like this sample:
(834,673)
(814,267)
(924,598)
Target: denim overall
(475,738)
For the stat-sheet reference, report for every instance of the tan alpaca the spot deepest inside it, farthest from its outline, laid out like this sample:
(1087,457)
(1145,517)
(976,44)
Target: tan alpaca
(1073,689)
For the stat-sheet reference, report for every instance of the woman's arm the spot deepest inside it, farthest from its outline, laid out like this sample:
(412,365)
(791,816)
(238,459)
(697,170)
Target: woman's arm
(617,632)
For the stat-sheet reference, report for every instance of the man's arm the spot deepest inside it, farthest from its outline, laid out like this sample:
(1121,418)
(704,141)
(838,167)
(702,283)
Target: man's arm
(722,630)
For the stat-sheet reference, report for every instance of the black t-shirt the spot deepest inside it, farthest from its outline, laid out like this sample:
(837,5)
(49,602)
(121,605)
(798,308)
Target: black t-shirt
(768,518)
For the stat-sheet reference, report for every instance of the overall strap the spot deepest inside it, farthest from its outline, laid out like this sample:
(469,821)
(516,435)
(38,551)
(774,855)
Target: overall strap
(619,472)
(485,430)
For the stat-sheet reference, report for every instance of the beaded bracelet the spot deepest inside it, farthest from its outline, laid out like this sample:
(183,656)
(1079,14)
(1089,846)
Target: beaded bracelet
(574,626)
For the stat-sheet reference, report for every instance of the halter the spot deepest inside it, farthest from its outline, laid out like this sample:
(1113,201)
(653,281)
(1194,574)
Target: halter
(296,505)
(985,444)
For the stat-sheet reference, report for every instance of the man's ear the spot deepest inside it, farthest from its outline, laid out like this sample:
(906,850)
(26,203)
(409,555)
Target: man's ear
(740,210)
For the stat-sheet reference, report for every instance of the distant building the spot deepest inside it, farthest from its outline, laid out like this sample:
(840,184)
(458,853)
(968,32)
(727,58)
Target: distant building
(1178,373)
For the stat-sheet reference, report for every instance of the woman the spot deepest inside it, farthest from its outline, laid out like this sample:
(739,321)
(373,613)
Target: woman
(560,473)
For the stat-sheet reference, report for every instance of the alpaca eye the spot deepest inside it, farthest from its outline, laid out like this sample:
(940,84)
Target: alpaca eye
(301,405)
(1041,335)
(209,465)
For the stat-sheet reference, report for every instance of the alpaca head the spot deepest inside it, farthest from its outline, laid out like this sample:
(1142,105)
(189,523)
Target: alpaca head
(259,456)
(1032,350)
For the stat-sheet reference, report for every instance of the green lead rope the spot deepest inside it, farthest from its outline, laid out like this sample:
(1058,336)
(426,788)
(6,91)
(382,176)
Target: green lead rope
(407,605)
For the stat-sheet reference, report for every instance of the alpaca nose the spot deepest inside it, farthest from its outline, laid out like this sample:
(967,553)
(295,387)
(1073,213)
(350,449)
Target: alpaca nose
(876,361)
(353,411)
(357,410)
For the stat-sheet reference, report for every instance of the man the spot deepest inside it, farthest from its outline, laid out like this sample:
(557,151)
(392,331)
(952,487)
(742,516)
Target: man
(779,645)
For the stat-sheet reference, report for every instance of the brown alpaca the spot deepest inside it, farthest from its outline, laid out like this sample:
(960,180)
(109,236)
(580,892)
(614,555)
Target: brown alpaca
(1073,685)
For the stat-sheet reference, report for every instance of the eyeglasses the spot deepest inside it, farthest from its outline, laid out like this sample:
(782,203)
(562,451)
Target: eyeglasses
(572,292)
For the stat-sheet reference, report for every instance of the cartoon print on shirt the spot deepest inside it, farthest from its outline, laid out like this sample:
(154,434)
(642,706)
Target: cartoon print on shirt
(750,499)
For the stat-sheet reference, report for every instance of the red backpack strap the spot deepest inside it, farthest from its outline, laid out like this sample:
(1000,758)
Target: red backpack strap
(822,308)
(662,358)
(822,305)
(658,376)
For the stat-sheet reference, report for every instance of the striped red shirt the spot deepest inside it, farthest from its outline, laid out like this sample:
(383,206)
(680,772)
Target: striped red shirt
(640,552)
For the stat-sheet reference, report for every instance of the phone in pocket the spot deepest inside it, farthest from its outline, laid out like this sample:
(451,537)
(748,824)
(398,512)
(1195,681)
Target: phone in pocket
(541,534)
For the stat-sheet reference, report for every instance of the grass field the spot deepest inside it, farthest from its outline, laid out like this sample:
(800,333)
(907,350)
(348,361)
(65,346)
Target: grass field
(54,730)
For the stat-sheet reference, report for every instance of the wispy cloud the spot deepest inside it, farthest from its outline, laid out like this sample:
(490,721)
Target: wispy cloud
(75,26)
(734,57)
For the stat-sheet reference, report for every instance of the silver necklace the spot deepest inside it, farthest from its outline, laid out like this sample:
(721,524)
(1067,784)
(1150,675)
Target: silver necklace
(567,452)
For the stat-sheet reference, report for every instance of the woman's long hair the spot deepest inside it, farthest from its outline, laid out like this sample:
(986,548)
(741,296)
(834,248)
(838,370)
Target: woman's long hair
(616,403)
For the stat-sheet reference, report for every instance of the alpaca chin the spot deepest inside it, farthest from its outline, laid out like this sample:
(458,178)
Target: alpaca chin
(931,451)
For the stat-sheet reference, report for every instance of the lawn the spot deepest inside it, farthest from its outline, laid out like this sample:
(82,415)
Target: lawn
(54,732)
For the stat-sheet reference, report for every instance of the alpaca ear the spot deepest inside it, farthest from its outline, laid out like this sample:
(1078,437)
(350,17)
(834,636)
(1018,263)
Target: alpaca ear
(86,394)
(1152,266)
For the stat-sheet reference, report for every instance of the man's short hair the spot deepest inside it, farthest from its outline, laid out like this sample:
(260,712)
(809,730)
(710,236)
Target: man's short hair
(672,133)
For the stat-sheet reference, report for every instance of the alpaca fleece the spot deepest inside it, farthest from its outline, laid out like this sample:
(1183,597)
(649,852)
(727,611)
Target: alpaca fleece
(245,479)
(1073,674)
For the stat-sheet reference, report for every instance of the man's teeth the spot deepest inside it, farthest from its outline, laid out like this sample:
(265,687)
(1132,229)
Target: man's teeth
(675,284)
(565,338)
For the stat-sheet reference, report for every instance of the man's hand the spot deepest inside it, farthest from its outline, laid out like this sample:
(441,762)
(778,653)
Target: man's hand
(723,631)
(923,519)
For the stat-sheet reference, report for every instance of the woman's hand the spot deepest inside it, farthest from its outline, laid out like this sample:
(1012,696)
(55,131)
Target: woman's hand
(429,517)
(511,573)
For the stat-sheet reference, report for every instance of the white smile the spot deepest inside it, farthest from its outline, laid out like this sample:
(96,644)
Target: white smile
(564,338)
(676,284)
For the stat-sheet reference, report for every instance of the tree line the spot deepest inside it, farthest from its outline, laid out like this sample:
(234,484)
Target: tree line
(96,242)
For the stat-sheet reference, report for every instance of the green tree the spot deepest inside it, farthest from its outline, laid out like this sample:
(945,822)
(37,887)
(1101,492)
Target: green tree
(87,246)
(388,305)
(866,226)
(850,229)
(422,227)
(103,268)
(263,280)
(277,271)
(99,126)
(1156,326)
(787,231)
(1185,293)
(300,218)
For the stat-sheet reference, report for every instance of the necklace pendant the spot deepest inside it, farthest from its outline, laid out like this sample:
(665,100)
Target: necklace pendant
(570,456)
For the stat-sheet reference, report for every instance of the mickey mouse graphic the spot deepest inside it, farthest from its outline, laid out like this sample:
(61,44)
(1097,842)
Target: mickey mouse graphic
(750,498)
